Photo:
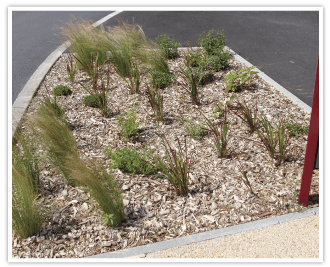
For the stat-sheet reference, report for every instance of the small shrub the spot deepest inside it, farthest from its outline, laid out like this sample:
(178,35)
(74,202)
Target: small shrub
(130,161)
(62,90)
(127,123)
(213,42)
(194,59)
(92,100)
(296,129)
(195,131)
(207,77)
(160,80)
(167,45)
(216,62)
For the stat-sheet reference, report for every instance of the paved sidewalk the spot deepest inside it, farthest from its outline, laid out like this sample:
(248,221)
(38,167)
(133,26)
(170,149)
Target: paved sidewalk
(292,236)
(294,239)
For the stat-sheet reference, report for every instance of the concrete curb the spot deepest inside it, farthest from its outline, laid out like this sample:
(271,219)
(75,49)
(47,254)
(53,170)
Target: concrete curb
(186,240)
(269,80)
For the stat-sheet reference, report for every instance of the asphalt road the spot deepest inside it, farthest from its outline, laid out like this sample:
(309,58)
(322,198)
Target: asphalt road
(34,38)
(282,44)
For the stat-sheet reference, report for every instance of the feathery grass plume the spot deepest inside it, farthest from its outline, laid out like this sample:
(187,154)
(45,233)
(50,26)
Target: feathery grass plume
(24,153)
(175,167)
(27,216)
(62,150)
(102,187)
(57,138)
(84,39)
(124,43)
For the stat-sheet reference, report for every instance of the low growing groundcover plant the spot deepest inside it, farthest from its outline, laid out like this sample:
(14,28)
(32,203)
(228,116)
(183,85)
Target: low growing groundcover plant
(220,191)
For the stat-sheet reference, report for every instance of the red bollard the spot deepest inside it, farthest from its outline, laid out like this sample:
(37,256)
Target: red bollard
(312,141)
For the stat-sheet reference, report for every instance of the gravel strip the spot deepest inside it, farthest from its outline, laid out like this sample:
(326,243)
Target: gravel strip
(294,239)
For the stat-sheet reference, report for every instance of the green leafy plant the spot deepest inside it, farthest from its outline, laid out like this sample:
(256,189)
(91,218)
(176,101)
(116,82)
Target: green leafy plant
(156,102)
(213,42)
(167,45)
(127,123)
(296,129)
(160,80)
(249,115)
(239,80)
(131,161)
(175,167)
(221,108)
(92,100)
(195,131)
(62,90)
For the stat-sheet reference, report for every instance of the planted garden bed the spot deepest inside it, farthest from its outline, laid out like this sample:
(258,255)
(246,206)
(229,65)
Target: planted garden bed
(244,184)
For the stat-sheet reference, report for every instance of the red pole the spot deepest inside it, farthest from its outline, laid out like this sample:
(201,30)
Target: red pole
(313,135)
